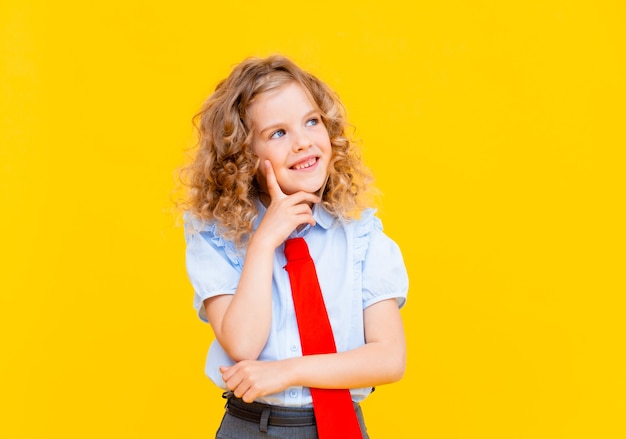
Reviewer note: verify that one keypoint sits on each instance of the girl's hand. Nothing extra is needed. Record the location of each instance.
(285, 212)
(250, 379)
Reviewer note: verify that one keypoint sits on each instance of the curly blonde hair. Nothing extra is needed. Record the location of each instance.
(221, 177)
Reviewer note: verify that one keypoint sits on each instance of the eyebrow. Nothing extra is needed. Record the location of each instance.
(280, 124)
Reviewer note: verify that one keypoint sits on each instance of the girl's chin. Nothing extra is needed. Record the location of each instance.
(309, 189)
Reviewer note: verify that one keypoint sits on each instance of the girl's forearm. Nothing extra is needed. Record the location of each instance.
(246, 323)
(380, 361)
(370, 365)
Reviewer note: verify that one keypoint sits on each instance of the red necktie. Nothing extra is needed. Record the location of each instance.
(334, 411)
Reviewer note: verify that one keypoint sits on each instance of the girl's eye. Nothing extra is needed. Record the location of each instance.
(277, 134)
(312, 122)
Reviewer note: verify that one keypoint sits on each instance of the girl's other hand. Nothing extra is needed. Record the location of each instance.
(285, 212)
(252, 379)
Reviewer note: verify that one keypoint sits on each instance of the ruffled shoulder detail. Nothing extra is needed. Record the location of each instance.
(364, 226)
(209, 231)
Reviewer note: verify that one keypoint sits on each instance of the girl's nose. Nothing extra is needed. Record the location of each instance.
(302, 141)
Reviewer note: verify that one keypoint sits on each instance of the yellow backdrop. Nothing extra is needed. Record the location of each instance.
(496, 133)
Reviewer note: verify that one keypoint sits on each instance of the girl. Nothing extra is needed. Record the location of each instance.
(273, 163)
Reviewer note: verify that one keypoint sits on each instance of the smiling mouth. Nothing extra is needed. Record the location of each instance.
(305, 164)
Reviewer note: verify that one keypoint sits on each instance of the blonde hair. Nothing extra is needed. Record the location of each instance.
(221, 177)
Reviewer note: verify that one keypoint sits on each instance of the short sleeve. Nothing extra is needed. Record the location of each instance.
(384, 272)
(213, 266)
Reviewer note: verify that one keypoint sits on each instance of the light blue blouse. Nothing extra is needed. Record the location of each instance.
(357, 266)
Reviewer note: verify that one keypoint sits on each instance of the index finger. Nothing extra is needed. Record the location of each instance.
(272, 184)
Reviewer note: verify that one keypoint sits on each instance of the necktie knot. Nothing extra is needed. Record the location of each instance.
(296, 249)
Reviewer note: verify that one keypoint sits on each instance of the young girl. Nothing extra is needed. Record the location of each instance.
(274, 162)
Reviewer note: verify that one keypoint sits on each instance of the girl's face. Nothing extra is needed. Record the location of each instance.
(288, 131)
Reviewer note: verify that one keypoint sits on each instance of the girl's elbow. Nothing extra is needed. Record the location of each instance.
(399, 371)
(238, 346)
(397, 367)
(241, 355)
(237, 352)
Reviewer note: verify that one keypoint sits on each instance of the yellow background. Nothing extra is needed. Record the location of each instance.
(496, 133)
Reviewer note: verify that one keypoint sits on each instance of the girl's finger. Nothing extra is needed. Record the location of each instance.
(273, 187)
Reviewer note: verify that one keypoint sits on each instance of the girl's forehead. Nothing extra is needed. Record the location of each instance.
(280, 105)
(291, 92)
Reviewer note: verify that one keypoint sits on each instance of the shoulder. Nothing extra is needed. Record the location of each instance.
(201, 233)
(363, 229)
(371, 244)
(195, 226)
(368, 222)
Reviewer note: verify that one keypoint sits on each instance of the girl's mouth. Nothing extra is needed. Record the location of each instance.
(311, 161)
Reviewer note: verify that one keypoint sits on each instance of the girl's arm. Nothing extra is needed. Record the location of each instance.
(241, 322)
(380, 361)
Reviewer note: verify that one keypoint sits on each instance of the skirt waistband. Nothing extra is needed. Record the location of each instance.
(266, 414)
